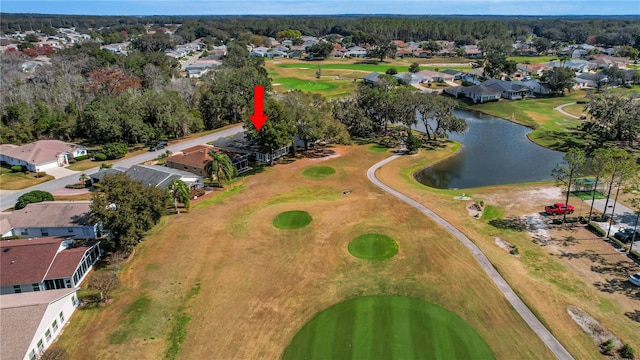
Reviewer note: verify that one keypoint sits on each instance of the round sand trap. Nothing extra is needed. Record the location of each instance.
(387, 327)
(318, 172)
(374, 247)
(289, 220)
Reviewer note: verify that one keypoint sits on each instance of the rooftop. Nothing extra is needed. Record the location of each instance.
(52, 214)
(40, 151)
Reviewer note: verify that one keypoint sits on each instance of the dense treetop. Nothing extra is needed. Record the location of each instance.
(607, 30)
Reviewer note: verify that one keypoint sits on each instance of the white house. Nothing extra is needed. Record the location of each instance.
(31, 322)
(41, 155)
(43, 264)
(52, 218)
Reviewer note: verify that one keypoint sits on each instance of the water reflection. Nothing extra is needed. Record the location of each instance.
(495, 151)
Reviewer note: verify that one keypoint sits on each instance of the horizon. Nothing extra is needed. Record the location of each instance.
(323, 8)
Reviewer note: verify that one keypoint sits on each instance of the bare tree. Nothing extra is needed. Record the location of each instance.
(105, 282)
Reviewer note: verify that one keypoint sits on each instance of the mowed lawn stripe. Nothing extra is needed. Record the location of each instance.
(404, 331)
(363, 331)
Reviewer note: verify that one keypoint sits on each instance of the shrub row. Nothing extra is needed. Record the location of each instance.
(617, 243)
(635, 255)
(100, 157)
(596, 229)
(76, 186)
(81, 157)
(568, 220)
(16, 168)
(12, 237)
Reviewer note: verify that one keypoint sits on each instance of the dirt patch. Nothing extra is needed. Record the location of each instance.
(538, 228)
(508, 247)
(474, 210)
(591, 326)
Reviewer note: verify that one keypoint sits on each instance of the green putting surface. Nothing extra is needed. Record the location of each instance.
(378, 148)
(305, 85)
(295, 219)
(373, 247)
(386, 327)
(318, 172)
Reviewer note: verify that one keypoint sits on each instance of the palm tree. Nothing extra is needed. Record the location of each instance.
(180, 192)
(220, 166)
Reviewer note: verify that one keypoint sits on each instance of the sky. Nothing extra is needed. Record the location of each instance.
(323, 7)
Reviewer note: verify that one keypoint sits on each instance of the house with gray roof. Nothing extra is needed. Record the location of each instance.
(53, 218)
(31, 322)
(410, 78)
(152, 175)
(162, 176)
(509, 89)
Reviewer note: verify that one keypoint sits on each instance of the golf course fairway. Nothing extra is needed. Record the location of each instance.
(386, 327)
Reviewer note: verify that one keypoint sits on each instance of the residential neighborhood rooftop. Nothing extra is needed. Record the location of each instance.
(51, 214)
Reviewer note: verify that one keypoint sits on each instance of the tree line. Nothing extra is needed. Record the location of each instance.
(605, 30)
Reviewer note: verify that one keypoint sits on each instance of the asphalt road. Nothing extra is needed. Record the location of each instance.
(552, 343)
(9, 198)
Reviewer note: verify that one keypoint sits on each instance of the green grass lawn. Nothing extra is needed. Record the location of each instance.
(588, 195)
(378, 148)
(551, 128)
(373, 247)
(387, 327)
(290, 220)
(381, 68)
(10, 180)
(318, 172)
(532, 59)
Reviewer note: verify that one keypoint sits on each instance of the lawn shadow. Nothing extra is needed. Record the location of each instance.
(633, 315)
(617, 286)
(510, 223)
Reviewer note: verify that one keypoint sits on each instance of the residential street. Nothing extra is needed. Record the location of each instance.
(8, 198)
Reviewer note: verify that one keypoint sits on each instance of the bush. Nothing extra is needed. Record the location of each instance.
(608, 347)
(81, 157)
(514, 250)
(626, 351)
(197, 192)
(81, 185)
(105, 166)
(568, 220)
(115, 150)
(617, 243)
(635, 255)
(596, 229)
(35, 196)
(16, 168)
(12, 237)
(391, 71)
(41, 174)
(100, 157)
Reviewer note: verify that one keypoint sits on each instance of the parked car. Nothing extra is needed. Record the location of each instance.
(625, 235)
(635, 279)
(559, 209)
(158, 146)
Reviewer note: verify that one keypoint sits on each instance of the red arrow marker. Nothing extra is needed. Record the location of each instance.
(258, 118)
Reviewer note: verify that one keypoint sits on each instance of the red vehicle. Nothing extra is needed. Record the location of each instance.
(559, 209)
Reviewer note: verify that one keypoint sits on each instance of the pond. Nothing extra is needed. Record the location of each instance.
(494, 151)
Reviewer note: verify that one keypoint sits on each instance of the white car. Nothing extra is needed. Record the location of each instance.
(635, 279)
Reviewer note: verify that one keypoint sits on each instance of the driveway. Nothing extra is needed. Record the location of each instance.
(543, 333)
(60, 172)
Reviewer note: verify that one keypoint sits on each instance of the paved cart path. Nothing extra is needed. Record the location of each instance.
(552, 343)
